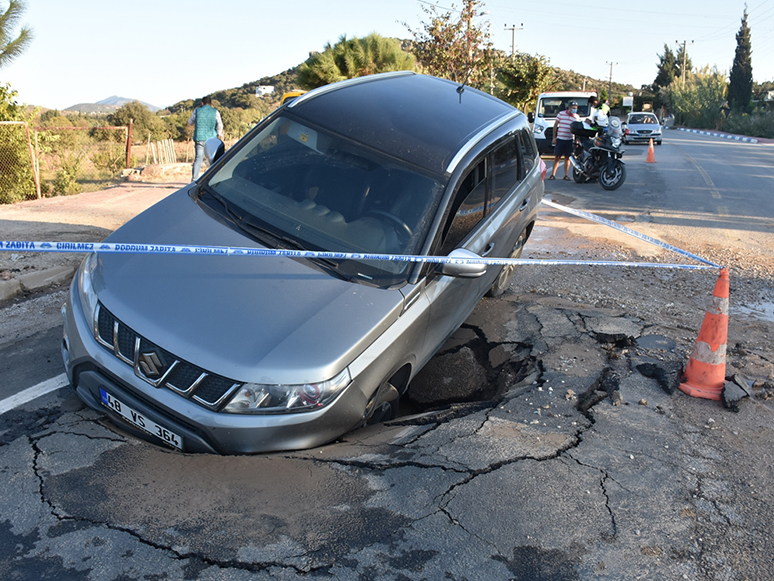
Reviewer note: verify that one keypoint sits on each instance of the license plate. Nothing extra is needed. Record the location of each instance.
(140, 421)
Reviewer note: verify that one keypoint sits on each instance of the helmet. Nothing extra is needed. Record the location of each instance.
(601, 118)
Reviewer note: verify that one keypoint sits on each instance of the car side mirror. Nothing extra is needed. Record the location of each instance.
(465, 269)
(531, 117)
(213, 149)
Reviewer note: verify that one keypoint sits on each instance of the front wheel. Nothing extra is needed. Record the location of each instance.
(612, 179)
(501, 282)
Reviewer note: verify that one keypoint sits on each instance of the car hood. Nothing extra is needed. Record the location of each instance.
(644, 126)
(258, 319)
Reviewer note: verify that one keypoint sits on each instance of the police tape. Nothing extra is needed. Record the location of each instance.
(186, 249)
(629, 231)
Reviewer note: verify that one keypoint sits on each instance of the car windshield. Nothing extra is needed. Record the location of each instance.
(550, 107)
(323, 192)
(643, 120)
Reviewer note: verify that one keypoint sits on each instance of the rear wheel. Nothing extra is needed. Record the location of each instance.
(612, 179)
(579, 177)
(502, 280)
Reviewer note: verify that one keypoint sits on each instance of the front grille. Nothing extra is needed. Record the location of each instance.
(157, 366)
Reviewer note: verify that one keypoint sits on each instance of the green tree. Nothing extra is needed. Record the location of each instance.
(9, 108)
(144, 121)
(667, 69)
(521, 78)
(455, 48)
(11, 47)
(356, 57)
(741, 80)
(16, 178)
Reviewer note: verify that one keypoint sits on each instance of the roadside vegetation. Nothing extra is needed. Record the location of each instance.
(707, 98)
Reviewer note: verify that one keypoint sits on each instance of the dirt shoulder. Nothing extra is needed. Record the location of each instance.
(86, 217)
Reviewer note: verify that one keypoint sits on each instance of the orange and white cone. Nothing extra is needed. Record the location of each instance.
(705, 374)
(651, 153)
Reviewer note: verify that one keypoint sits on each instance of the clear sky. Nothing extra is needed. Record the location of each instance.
(164, 51)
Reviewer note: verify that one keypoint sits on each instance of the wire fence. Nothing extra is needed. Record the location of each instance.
(17, 163)
(72, 160)
(56, 161)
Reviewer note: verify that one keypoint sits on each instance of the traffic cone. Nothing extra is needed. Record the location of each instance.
(705, 374)
(651, 154)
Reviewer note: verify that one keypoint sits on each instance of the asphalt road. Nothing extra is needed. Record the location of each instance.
(542, 483)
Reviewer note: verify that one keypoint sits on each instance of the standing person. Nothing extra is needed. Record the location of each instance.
(593, 102)
(563, 138)
(207, 124)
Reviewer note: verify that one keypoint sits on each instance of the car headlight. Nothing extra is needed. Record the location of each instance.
(86, 292)
(538, 129)
(255, 398)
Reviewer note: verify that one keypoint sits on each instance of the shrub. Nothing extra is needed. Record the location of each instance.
(65, 182)
(759, 124)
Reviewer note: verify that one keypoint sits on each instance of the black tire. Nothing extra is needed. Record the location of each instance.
(612, 180)
(387, 406)
(504, 276)
(578, 176)
(658, 143)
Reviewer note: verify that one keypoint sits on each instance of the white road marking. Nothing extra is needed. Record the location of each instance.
(33, 392)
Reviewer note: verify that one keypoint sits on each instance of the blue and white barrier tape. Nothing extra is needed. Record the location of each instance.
(723, 135)
(187, 249)
(184, 249)
(629, 231)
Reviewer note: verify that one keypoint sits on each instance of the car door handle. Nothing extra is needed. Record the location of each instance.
(489, 249)
(524, 204)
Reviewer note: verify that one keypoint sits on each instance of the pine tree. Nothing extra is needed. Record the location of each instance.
(741, 80)
(667, 69)
(10, 47)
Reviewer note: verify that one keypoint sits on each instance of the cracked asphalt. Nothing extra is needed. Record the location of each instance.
(576, 467)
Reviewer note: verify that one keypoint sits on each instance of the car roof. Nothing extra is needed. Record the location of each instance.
(420, 119)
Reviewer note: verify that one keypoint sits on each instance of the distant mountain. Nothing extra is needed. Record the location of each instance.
(108, 105)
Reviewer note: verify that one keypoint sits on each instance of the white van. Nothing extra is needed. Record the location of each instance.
(548, 107)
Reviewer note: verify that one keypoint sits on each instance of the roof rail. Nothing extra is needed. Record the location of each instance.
(345, 83)
(473, 141)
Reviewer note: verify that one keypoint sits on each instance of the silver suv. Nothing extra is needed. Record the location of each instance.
(224, 354)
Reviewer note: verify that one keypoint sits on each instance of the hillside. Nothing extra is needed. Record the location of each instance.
(244, 97)
(109, 105)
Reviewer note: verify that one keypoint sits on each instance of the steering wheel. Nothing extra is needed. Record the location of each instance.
(403, 230)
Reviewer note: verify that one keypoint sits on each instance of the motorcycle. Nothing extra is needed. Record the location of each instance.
(597, 153)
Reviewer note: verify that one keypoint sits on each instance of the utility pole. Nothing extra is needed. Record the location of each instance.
(685, 56)
(610, 81)
(513, 30)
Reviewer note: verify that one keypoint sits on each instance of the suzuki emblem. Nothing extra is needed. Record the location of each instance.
(150, 364)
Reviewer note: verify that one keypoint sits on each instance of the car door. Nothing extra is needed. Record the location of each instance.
(507, 203)
(453, 298)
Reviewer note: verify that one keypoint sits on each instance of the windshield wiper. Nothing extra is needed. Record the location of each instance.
(215, 195)
(261, 233)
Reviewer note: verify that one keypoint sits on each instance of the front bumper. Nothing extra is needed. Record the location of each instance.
(90, 368)
(637, 138)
